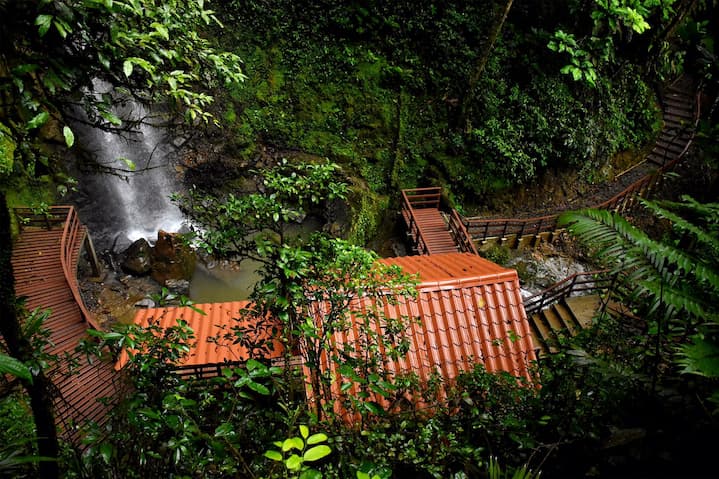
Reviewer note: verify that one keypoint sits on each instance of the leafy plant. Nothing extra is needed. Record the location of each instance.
(295, 452)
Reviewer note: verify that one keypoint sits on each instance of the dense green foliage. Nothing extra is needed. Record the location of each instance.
(388, 90)
(378, 86)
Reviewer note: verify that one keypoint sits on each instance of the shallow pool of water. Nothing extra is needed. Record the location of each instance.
(223, 284)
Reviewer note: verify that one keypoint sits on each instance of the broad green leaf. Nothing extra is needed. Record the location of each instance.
(130, 164)
(316, 438)
(259, 388)
(274, 455)
(106, 451)
(225, 429)
(69, 136)
(253, 364)
(304, 431)
(62, 28)
(110, 117)
(316, 453)
(293, 443)
(293, 462)
(38, 120)
(10, 365)
(311, 474)
(43, 22)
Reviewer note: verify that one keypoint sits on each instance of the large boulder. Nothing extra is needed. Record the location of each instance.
(138, 258)
(173, 258)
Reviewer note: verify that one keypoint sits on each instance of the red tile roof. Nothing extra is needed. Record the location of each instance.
(219, 319)
(469, 311)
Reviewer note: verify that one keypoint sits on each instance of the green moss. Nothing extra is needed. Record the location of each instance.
(7, 151)
(368, 210)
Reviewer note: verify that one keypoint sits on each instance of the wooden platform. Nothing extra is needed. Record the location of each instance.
(40, 277)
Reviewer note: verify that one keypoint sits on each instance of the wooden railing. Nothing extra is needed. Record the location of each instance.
(481, 229)
(74, 234)
(422, 197)
(460, 235)
(48, 218)
(584, 282)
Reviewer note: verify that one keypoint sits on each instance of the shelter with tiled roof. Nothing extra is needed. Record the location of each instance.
(468, 311)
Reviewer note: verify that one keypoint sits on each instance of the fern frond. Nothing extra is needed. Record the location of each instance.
(701, 235)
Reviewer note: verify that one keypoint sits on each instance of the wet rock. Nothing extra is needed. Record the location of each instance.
(172, 258)
(178, 286)
(138, 258)
(145, 303)
(334, 229)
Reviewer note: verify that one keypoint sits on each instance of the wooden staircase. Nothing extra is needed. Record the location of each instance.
(563, 319)
(679, 119)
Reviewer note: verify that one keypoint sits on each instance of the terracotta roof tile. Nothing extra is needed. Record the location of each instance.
(218, 320)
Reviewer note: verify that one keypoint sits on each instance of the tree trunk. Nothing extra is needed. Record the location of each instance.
(20, 348)
(481, 64)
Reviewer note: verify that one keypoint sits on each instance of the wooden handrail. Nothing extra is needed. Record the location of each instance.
(460, 235)
(586, 281)
(72, 230)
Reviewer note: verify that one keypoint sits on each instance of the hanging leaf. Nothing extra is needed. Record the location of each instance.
(111, 118)
(130, 164)
(43, 22)
(69, 136)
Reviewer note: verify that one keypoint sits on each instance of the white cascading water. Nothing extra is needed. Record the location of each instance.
(123, 207)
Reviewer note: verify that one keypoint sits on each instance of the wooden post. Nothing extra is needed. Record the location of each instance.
(90, 248)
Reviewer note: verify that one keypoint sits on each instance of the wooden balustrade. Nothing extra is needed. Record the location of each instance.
(460, 235)
(72, 237)
(583, 282)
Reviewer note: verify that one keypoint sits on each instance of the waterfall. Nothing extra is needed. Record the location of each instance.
(126, 205)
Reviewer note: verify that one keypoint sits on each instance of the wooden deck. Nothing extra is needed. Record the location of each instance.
(45, 261)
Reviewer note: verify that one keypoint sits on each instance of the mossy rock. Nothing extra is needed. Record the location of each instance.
(368, 210)
(7, 151)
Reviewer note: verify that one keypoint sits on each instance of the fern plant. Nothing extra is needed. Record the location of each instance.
(676, 278)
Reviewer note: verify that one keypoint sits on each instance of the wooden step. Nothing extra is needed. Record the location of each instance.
(542, 335)
(567, 317)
